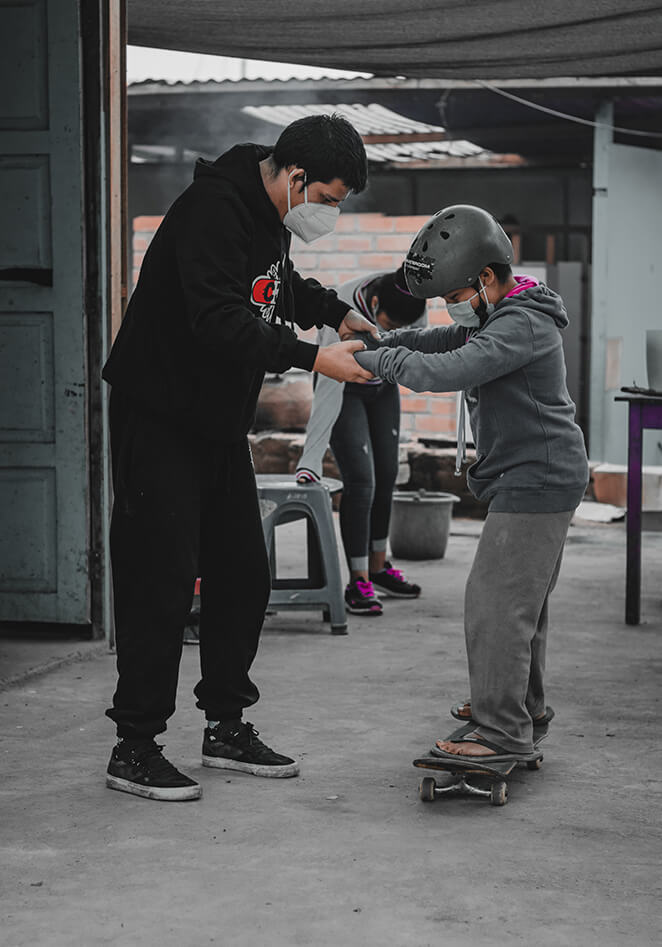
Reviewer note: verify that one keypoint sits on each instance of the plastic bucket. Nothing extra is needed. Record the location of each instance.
(420, 524)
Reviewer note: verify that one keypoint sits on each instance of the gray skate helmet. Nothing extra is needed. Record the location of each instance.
(449, 252)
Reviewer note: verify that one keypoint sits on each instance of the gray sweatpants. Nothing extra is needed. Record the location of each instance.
(505, 619)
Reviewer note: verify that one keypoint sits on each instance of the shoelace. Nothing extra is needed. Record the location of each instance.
(252, 734)
(247, 734)
(396, 573)
(152, 756)
(259, 748)
(365, 588)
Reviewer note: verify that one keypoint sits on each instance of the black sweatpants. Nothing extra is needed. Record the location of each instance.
(183, 508)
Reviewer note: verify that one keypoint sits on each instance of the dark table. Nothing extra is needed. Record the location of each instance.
(645, 411)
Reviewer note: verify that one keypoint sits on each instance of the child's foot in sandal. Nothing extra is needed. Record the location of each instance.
(463, 712)
(473, 746)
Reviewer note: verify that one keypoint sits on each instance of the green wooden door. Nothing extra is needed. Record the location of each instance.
(44, 495)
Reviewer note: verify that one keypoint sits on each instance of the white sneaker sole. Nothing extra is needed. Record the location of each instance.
(388, 592)
(363, 611)
(174, 794)
(254, 769)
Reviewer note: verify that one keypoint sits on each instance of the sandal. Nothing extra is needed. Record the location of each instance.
(463, 712)
(500, 755)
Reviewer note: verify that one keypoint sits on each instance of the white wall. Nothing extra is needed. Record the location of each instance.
(627, 287)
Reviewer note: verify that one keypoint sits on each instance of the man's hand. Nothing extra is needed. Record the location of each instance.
(338, 362)
(355, 322)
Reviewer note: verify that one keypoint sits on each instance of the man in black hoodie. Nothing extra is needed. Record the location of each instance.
(213, 310)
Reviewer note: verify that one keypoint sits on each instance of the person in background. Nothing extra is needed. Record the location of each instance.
(212, 311)
(362, 423)
(505, 352)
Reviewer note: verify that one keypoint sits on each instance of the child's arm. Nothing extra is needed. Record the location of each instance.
(505, 346)
(327, 402)
(436, 339)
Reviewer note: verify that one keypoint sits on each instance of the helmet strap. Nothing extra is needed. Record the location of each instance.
(481, 308)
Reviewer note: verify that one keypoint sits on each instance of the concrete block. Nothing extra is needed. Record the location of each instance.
(610, 486)
(279, 452)
(271, 451)
(285, 401)
(433, 469)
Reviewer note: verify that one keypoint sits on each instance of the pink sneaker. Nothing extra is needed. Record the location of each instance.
(360, 598)
(392, 582)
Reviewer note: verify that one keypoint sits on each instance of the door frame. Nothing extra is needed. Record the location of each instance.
(105, 162)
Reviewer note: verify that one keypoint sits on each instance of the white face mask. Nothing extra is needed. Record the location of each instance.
(464, 314)
(309, 221)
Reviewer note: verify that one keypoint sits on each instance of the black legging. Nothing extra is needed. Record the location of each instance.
(365, 442)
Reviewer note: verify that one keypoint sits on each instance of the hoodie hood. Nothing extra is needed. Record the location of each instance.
(539, 299)
(240, 167)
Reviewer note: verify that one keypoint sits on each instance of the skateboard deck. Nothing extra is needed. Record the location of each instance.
(471, 777)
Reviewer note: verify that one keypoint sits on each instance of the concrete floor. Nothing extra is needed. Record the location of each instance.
(348, 854)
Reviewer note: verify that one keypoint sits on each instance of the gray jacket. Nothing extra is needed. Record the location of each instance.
(530, 452)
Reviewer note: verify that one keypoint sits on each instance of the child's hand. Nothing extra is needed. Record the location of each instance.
(354, 322)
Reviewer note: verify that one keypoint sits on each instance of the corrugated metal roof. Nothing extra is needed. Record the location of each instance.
(367, 119)
(637, 83)
(425, 151)
(377, 120)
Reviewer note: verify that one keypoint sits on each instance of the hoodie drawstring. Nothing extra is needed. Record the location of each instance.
(286, 303)
(461, 455)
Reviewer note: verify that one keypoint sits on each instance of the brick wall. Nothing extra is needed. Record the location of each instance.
(360, 244)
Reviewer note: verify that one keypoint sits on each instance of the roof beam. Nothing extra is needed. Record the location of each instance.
(624, 84)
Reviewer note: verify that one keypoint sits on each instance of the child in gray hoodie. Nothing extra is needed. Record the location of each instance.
(505, 352)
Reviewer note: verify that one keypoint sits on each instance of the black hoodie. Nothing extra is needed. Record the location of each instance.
(208, 315)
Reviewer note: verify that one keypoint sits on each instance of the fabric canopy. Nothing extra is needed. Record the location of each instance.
(454, 39)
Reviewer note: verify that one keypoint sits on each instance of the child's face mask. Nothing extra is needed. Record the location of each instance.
(309, 221)
(464, 314)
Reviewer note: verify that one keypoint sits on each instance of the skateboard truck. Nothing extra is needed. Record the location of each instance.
(497, 792)
(470, 778)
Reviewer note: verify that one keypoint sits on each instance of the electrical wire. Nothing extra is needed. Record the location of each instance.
(569, 118)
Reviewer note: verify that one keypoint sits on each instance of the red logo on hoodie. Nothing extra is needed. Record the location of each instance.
(264, 292)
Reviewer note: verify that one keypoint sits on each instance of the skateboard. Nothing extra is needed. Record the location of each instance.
(470, 777)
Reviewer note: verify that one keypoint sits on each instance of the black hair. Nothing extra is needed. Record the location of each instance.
(326, 147)
(502, 271)
(395, 299)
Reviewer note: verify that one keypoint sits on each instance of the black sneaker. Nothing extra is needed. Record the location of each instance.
(360, 598)
(392, 582)
(139, 767)
(237, 747)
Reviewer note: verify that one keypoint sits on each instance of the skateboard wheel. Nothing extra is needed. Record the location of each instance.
(427, 788)
(534, 764)
(499, 794)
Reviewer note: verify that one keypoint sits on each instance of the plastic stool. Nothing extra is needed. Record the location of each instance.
(282, 500)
